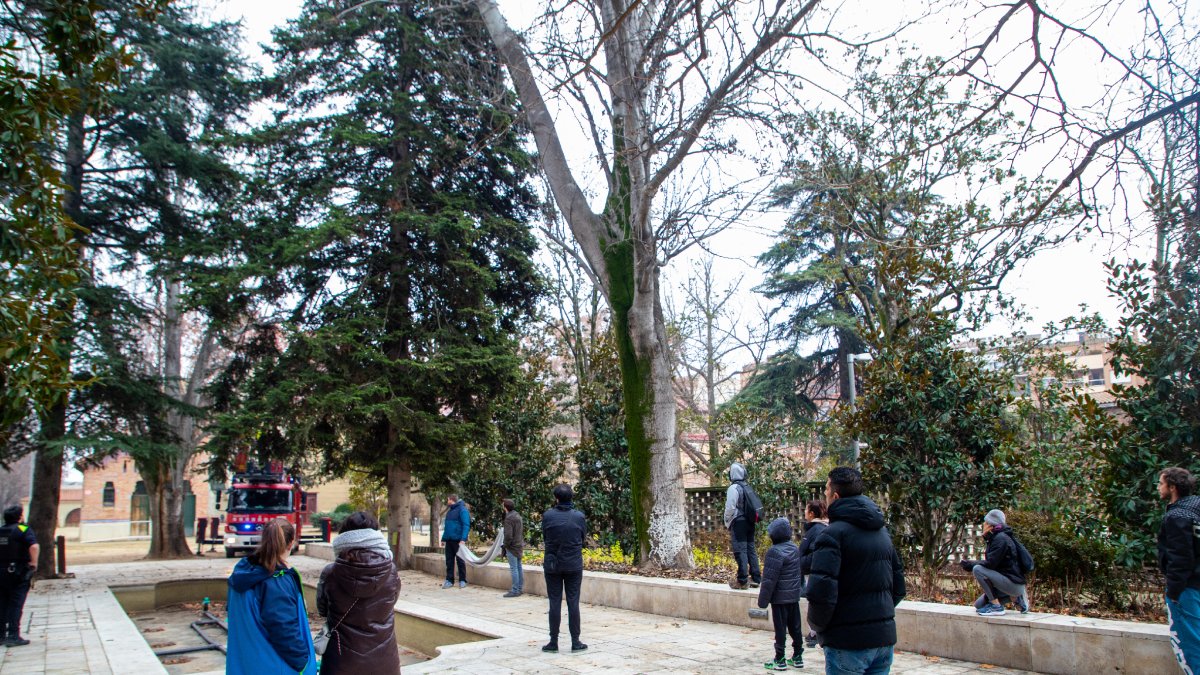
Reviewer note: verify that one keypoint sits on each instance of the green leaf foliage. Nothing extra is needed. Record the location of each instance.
(940, 440)
(390, 223)
(1158, 344)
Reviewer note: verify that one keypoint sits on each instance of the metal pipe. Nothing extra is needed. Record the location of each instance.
(208, 643)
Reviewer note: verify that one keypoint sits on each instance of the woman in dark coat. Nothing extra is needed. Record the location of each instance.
(357, 596)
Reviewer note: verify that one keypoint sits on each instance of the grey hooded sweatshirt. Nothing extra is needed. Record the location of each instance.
(733, 496)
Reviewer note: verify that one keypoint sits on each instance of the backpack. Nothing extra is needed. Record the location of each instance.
(1024, 560)
(751, 506)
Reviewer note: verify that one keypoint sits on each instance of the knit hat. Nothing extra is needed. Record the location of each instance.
(995, 518)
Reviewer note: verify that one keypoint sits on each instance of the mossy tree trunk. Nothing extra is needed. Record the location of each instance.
(661, 95)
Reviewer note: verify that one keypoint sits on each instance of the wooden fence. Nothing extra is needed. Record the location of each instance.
(706, 507)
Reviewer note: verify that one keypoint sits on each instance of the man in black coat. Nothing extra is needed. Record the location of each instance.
(563, 531)
(857, 581)
(18, 562)
(1179, 560)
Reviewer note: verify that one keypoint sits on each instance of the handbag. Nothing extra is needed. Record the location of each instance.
(321, 640)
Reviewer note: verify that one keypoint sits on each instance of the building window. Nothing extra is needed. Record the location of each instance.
(1096, 377)
(110, 494)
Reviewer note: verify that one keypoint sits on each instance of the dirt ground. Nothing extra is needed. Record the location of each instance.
(79, 553)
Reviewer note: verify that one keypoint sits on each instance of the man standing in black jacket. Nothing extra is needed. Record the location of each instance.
(857, 581)
(563, 531)
(1179, 560)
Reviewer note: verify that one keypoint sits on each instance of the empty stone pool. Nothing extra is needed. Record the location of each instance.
(166, 611)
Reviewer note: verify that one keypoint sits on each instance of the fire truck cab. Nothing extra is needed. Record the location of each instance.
(257, 496)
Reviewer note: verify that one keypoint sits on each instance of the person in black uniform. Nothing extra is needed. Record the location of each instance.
(18, 562)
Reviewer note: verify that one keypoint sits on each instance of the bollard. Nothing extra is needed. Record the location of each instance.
(201, 523)
(327, 529)
(214, 533)
(61, 544)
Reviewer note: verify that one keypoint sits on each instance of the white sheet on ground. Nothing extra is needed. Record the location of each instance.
(477, 561)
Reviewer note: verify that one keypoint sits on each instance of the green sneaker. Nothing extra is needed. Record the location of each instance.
(778, 664)
(796, 662)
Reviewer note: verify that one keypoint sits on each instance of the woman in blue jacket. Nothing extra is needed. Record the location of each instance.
(268, 622)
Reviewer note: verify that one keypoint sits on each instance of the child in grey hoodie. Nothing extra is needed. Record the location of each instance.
(782, 585)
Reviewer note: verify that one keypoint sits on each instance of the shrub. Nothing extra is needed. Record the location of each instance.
(338, 516)
(1070, 567)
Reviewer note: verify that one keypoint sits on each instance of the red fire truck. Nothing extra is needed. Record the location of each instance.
(260, 495)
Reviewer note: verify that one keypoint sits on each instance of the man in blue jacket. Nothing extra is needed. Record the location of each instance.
(563, 531)
(857, 581)
(1179, 560)
(454, 531)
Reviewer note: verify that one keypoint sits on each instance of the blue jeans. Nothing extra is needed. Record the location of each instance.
(1183, 617)
(874, 661)
(518, 574)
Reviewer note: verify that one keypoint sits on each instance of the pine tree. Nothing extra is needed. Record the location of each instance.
(146, 176)
(396, 199)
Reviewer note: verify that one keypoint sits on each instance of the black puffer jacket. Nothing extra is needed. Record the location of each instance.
(857, 578)
(812, 531)
(782, 582)
(359, 590)
(1177, 546)
(563, 532)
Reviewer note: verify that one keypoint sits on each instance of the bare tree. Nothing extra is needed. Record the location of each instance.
(655, 84)
(709, 331)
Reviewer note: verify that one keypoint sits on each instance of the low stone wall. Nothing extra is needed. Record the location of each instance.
(1048, 643)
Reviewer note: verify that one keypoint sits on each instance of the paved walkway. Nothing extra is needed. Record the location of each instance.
(77, 627)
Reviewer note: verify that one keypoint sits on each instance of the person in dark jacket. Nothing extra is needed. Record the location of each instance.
(857, 581)
(455, 529)
(1179, 560)
(513, 546)
(357, 596)
(815, 523)
(999, 573)
(782, 586)
(18, 563)
(564, 530)
(268, 622)
(741, 530)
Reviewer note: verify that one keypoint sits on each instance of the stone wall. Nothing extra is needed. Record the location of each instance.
(1048, 643)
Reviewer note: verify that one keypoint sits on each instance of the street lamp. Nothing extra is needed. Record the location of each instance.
(850, 359)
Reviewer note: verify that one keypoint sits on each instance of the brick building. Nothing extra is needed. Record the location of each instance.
(115, 503)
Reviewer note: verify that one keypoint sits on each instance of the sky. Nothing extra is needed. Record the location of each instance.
(1051, 286)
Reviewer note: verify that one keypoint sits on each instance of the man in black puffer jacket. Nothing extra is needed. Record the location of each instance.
(563, 532)
(782, 585)
(857, 581)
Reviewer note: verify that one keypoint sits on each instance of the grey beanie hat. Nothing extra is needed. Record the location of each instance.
(995, 517)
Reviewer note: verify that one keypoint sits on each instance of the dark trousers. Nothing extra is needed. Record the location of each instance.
(555, 583)
(451, 557)
(786, 618)
(13, 589)
(744, 551)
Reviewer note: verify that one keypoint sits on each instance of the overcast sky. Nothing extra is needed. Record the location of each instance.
(1052, 286)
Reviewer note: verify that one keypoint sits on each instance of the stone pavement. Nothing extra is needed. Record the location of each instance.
(77, 627)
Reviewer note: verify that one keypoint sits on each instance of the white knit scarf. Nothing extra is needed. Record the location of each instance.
(372, 540)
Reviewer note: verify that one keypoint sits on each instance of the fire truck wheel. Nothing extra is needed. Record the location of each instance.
(228, 553)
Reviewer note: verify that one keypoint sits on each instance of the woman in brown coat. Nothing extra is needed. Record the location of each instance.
(357, 596)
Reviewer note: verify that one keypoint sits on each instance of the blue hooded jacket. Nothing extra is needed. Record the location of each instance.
(458, 523)
(268, 623)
